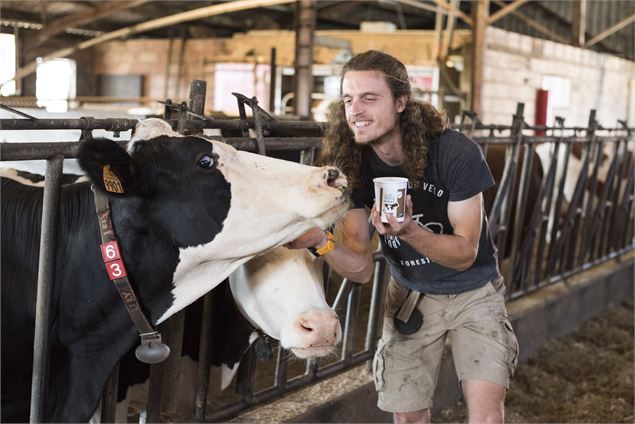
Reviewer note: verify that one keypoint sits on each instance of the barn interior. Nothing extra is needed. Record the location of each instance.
(504, 72)
(461, 55)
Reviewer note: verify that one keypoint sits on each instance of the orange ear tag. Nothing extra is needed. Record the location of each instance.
(111, 181)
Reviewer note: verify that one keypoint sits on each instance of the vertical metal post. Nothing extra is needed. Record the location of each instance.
(246, 378)
(174, 339)
(204, 358)
(45, 282)
(519, 216)
(589, 198)
(307, 156)
(273, 70)
(540, 261)
(508, 185)
(109, 400)
(155, 389)
(558, 222)
(260, 138)
(196, 102)
(281, 367)
(344, 290)
(375, 304)
(622, 177)
(350, 322)
(168, 64)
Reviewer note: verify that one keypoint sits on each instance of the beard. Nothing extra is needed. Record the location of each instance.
(376, 139)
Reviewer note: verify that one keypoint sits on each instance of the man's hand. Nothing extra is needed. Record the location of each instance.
(315, 237)
(394, 228)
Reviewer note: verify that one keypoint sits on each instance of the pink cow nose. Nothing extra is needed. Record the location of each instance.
(319, 328)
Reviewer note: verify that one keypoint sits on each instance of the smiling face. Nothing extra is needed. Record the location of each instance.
(371, 110)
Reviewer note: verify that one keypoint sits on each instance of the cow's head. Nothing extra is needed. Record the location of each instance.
(282, 293)
(219, 206)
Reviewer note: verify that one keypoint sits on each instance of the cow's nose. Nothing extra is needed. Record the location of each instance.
(332, 177)
(319, 328)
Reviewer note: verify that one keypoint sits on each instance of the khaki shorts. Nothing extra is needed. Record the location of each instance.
(484, 346)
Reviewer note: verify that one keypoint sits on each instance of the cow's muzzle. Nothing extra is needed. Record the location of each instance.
(336, 179)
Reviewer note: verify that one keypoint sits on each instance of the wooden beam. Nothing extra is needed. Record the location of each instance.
(454, 11)
(609, 31)
(438, 29)
(178, 18)
(424, 6)
(481, 12)
(578, 22)
(85, 16)
(447, 34)
(305, 23)
(505, 10)
(44, 11)
(535, 25)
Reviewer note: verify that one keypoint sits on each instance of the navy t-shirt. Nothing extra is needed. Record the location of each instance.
(456, 171)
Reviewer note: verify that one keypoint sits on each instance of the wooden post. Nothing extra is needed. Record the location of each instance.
(306, 14)
(578, 22)
(480, 16)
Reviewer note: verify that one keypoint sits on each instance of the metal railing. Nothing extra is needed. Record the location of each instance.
(560, 232)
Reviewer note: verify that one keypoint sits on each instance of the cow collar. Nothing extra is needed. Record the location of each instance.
(152, 350)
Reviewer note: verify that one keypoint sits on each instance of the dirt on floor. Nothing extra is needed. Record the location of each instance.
(584, 377)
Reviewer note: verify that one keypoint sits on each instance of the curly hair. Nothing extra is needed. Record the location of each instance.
(419, 123)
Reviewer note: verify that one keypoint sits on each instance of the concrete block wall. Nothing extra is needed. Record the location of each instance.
(150, 57)
(515, 65)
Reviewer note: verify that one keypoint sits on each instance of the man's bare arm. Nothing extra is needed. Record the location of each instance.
(352, 256)
(456, 250)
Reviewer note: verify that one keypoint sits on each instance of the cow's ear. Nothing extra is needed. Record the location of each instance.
(108, 166)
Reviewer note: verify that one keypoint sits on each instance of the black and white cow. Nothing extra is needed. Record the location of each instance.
(192, 210)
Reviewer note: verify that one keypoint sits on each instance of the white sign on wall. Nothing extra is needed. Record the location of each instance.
(559, 89)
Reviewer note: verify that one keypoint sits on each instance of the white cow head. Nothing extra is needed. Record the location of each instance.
(257, 203)
(282, 293)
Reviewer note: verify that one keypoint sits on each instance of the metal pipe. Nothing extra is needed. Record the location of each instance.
(196, 102)
(70, 149)
(45, 282)
(272, 80)
(376, 297)
(345, 288)
(546, 214)
(204, 358)
(257, 117)
(281, 367)
(350, 323)
(519, 215)
(109, 400)
(124, 124)
(155, 390)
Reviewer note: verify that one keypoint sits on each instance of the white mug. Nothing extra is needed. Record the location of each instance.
(390, 197)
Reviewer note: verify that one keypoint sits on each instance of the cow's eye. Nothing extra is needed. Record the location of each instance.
(206, 161)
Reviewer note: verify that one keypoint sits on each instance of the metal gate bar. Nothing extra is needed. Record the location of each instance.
(45, 281)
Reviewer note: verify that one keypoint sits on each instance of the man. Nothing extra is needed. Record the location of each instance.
(442, 249)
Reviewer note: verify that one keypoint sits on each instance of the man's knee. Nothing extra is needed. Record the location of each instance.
(485, 401)
(419, 417)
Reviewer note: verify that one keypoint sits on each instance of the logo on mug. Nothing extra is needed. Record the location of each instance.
(394, 203)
